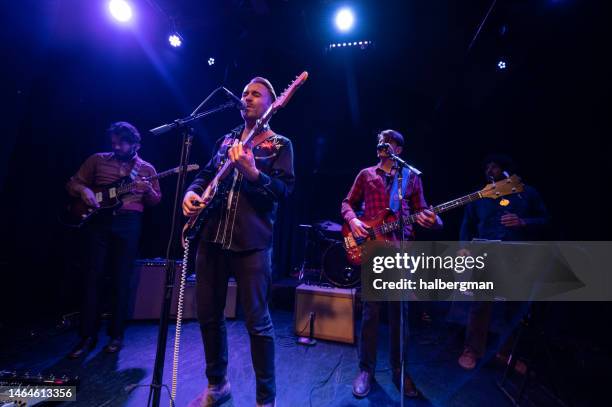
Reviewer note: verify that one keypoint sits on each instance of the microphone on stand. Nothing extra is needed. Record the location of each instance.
(237, 102)
(383, 146)
(387, 147)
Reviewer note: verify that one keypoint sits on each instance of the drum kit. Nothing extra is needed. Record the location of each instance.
(324, 260)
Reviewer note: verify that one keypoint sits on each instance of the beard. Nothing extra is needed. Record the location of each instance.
(121, 156)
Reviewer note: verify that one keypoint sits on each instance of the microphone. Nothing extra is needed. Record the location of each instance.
(399, 161)
(383, 146)
(238, 103)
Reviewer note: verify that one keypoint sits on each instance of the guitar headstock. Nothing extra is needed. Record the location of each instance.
(506, 186)
(284, 97)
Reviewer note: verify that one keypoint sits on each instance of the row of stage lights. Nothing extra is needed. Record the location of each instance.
(121, 10)
(360, 44)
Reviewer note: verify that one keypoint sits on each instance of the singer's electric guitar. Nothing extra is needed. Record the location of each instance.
(213, 194)
(77, 212)
(384, 224)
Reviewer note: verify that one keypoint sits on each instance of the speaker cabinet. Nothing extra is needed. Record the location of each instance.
(332, 309)
(149, 280)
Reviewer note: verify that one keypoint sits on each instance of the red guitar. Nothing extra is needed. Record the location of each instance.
(382, 226)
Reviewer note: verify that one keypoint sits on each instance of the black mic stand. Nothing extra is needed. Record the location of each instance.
(400, 165)
(162, 336)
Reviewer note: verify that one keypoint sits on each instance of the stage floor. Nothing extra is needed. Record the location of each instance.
(317, 376)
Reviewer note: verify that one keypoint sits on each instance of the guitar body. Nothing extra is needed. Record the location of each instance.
(78, 212)
(353, 246)
(213, 196)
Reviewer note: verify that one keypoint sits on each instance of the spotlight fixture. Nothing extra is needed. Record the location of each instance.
(120, 10)
(175, 40)
(344, 19)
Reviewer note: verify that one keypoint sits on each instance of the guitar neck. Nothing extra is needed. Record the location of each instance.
(128, 187)
(457, 203)
(447, 206)
(256, 129)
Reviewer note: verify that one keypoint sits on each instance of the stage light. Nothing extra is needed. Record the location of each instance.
(120, 10)
(361, 44)
(175, 40)
(211, 61)
(345, 19)
(501, 65)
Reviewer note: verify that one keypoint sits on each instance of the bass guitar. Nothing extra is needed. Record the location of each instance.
(384, 224)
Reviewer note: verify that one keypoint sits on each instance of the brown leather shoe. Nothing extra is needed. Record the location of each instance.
(114, 345)
(213, 396)
(362, 384)
(468, 359)
(85, 345)
(410, 389)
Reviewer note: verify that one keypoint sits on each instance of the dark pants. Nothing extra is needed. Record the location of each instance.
(369, 334)
(477, 328)
(253, 272)
(112, 245)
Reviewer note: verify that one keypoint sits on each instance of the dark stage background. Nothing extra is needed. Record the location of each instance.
(68, 72)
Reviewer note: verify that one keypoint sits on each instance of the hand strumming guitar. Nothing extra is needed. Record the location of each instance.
(89, 197)
(189, 208)
(358, 228)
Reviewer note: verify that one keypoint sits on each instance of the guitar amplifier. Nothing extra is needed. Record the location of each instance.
(149, 280)
(332, 309)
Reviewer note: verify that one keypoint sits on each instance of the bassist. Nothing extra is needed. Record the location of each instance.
(375, 188)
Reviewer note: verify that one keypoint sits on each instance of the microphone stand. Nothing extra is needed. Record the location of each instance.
(401, 164)
(162, 336)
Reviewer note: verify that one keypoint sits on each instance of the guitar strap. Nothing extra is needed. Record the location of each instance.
(135, 170)
(394, 203)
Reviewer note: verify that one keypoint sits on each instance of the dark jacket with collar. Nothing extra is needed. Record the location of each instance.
(244, 219)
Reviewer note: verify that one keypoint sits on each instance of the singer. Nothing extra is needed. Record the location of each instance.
(377, 188)
(237, 239)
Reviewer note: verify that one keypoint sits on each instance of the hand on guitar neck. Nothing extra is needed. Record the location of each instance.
(142, 186)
